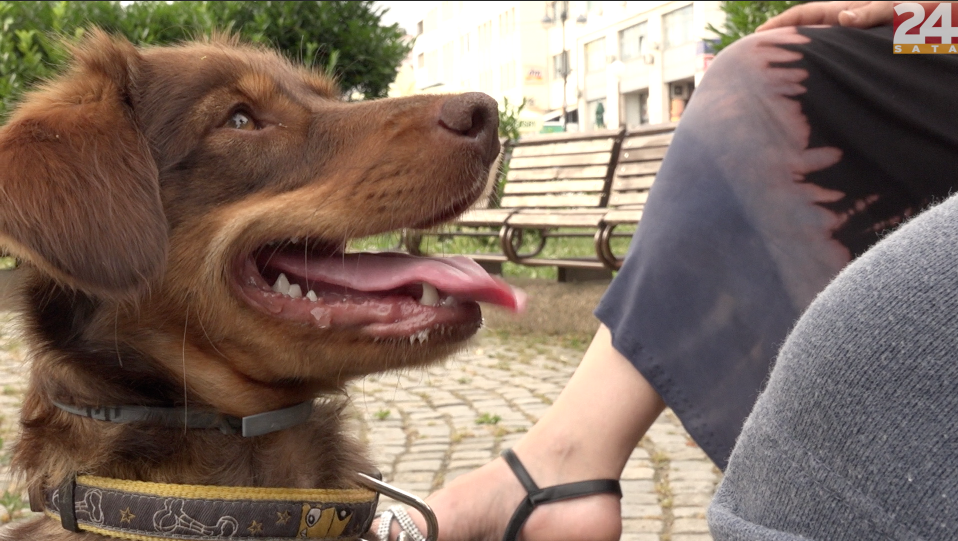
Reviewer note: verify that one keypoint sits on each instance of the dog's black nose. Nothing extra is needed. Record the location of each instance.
(476, 116)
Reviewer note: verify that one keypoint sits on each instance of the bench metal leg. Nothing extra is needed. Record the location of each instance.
(510, 240)
(603, 247)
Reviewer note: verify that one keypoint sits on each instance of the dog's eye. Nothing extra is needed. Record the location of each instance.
(241, 121)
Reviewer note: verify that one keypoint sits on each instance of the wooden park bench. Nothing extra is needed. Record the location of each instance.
(565, 186)
(638, 163)
(550, 172)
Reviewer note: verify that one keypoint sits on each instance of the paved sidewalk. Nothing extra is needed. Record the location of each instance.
(427, 427)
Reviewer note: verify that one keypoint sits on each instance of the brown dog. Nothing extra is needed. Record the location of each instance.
(183, 212)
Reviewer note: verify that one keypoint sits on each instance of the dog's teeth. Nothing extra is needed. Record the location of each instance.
(419, 337)
(295, 291)
(449, 302)
(430, 295)
(311, 295)
(282, 285)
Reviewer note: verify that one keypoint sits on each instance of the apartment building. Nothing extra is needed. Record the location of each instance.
(640, 61)
(579, 65)
(493, 47)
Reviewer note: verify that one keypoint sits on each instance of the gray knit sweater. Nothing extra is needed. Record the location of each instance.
(856, 435)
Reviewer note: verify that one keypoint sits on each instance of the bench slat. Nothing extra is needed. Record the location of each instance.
(551, 201)
(554, 186)
(571, 147)
(638, 168)
(623, 216)
(633, 183)
(642, 154)
(483, 217)
(552, 161)
(628, 198)
(550, 173)
(557, 219)
(662, 139)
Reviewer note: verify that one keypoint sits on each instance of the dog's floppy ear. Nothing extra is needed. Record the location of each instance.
(79, 195)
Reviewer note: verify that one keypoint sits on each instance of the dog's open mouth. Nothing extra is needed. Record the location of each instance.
(383, 295)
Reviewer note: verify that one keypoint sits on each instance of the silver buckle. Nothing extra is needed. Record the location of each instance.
(432, 525)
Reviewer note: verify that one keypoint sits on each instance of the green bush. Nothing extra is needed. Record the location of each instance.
(742, 18)
(509, 119)
(345, 38)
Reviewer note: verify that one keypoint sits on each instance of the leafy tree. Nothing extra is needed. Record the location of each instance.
(347, 39)
(742, 18)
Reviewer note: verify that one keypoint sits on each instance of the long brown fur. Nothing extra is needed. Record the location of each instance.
(128, 200)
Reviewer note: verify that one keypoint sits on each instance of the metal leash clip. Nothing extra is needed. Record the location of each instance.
(432, 524)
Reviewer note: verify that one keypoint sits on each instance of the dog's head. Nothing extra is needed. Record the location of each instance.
(200, 196)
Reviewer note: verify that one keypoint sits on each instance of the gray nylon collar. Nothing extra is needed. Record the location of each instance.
(249, 426)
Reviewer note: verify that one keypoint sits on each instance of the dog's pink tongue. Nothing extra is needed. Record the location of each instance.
(457, 276)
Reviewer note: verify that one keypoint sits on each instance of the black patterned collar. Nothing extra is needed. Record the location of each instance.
(144, 511)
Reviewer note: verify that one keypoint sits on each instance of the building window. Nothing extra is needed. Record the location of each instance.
(559, 65)
(485, 36)
(431, 22)
(678, 27)
(421, 60)
(507, 75)
(632, 42)
(419, 28)
(432, 66)
(593, 7)
(448, 60)
(636, 108)
(507, 23)
(595, 56)
(556, 10)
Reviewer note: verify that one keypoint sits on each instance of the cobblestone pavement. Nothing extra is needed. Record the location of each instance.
(427, 427)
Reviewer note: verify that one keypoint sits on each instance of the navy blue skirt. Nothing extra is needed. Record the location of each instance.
(797, 152)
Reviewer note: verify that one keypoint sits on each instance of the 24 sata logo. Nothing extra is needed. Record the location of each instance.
(925, 28)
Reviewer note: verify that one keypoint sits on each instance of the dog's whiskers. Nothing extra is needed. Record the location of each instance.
(186, 403)
(199, 320)
(116, 337)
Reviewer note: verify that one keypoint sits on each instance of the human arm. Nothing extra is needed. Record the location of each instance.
(851, 14)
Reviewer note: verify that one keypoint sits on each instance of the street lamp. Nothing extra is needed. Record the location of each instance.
(560, 11)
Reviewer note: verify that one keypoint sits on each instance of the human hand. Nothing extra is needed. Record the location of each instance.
(851, 14)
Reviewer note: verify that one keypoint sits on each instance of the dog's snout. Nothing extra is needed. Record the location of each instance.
(473, 115)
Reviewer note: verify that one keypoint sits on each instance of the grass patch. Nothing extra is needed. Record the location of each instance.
(488, 419)
(460, 435)
(382, 414)
(575, 342)
(13, 502)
